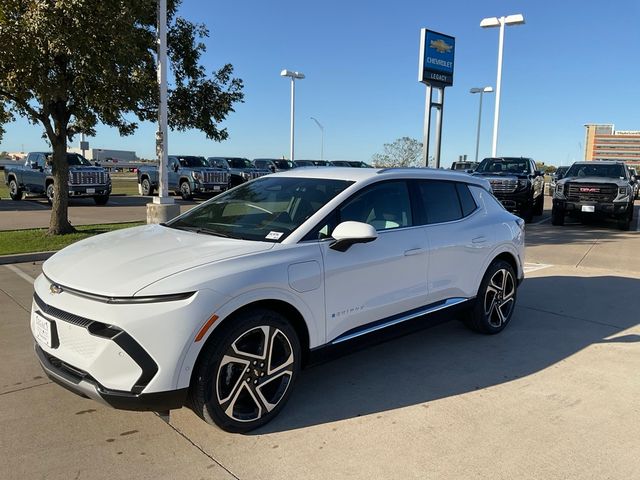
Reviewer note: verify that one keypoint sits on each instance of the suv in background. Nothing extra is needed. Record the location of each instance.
(465, 166)
(555, 177)
(240, 169)
(516, 183)
(274, 164)
(595, 189)
(636, 183)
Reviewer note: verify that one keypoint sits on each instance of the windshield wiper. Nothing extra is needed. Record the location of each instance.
(204, 230)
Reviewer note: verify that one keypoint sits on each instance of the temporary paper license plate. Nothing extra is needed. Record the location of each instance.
(216, 187)
(588, 208)
(43, 330)
(91, 190)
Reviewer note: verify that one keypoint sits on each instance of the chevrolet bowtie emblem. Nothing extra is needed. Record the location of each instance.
(441, 46)
(55, 289)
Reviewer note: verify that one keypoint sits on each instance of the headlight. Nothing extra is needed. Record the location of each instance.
(522, 183)
(197, 176)
(560, 188)
(623, 191)
(245, 175)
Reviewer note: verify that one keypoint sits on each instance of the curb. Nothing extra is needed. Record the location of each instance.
(25, 257)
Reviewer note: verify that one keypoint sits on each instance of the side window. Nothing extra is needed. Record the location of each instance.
(466, 199)
(384, 206)
(31, 158)
(440, 201)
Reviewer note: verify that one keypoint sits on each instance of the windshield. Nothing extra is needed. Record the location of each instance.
(268, 209)
(561, 172)
(192, 162)
(595, 170)
(504, 165)
(239, 163)
(73, 159)
(284, 164)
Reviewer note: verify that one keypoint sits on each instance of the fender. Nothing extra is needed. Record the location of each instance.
(498, 250)
(224, 311)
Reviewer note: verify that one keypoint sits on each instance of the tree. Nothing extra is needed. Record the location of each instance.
(68, 65)
(404, 152)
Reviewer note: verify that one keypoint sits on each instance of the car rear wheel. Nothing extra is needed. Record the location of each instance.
(496, 299)
(15, 192)
(245, 375)
(146, 187)
(539, 208)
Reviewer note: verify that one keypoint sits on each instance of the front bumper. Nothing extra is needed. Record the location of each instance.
(600, 209)
(81, 383)
(517, 201)
(89, 190)
(203, 188)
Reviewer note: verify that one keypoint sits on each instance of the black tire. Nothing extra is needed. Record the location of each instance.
(557, 217)
(249, 392)
(147, 189)
(49, 192)
(539, 205)
(527, 214)
(101, 199)
(185, 191)
(496, 300)
(15, 192)
(624, 223)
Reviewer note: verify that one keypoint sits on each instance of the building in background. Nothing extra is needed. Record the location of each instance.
(603, 142)
(104, 155)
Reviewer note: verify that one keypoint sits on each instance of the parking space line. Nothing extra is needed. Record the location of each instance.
(532, 267)
(541, 221)
(21, 274)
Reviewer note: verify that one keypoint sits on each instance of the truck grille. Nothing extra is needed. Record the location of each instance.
(254, 175)
(216, 177)
(88, 178)
(591, 192)
(499, 185)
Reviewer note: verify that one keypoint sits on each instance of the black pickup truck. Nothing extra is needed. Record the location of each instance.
(516, 183)
(35, 177)
(595, 189)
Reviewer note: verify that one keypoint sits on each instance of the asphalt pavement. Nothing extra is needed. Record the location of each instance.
(554, 396)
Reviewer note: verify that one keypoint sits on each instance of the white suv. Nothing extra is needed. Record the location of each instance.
(221, 307)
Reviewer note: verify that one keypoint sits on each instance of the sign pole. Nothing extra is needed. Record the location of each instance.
(439, 108)
(427, 127)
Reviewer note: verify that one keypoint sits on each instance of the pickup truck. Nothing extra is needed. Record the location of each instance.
(516, 183)
(188, 176)
(240, 169)
(595, 190)
(35, 177)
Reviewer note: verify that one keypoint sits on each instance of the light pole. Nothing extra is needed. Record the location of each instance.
(294, 76)
(321, 137)
(517, 19)
(481, 91)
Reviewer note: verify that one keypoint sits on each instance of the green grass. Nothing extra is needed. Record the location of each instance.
(121, 184)
(37, 240)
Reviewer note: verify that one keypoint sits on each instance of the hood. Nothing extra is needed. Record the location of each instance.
(600, 180)
(500, 176)
(122, 262)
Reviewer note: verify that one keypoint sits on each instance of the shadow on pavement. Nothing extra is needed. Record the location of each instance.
(450, 360)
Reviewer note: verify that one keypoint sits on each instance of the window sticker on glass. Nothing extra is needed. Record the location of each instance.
(274, 235)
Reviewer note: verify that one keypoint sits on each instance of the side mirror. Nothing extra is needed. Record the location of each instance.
(633, 179)
(35, 166)
(176, 167)
(349, 233)
(538, 173)
(470, 170)
(272, 168)
(96, 164)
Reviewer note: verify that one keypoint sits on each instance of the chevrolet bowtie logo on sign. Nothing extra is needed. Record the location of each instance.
(441, 46)
(436, 58)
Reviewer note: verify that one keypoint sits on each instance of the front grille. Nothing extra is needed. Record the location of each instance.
(88, 178)
(254, 175)
(503, 185)
(216, 177)
(591, 192)
(60, 314)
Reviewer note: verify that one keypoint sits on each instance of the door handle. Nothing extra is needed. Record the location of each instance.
(414, 251)
(480, 239)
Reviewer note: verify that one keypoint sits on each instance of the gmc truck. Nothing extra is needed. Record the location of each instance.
(35, 177)
(595, 189)
(188, 176)
(516, 183)
(240, 169)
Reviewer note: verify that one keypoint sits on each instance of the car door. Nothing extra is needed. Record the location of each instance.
(459, 240)
(376, 280)
(172, 175)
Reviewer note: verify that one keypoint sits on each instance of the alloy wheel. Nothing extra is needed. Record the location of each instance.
(254, 373)
(499, 298)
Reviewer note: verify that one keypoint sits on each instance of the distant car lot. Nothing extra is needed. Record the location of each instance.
(549, 398)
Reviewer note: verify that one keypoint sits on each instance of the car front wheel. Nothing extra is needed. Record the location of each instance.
(246, 373)
(496, 299)
(185, 191)
(14, 191)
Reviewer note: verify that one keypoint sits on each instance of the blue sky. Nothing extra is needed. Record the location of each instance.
(573, 62)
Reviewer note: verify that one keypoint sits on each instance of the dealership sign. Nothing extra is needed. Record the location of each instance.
(436, 58)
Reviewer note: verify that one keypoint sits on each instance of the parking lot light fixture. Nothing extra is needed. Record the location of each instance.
(517, 19)
(481, 91)
(293, 76)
